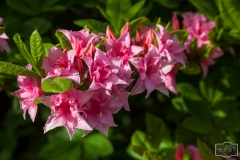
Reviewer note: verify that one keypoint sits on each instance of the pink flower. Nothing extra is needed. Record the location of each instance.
(192, 150)
(30, 89)
(179, 152)
(59, 64)
(150, 70)
(65, 108)
(102, 72)
(171, 81)
(217, 52)
(99, 109)
(198, 27)
(3, 43)
(81, 41)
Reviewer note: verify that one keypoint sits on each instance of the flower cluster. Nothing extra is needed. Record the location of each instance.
(3, 43)
(105, 71)
(191, 149)
(198, 29)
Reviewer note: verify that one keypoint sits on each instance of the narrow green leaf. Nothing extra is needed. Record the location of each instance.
(230, 14)
(155, 131)
(193, 48)
(23, 49)
(63, 40)
(188, 91)
(15, 70)
(2, 29)
(191, 68)
(37, 49)
(182, 35)
(95, 25)
(209, 8)
(116, 10)
(27, 7)
(179, 104)
(230, 124)
(150, 156)
(47, 47)
(172, 4)
(134, 10)
(56, 85)
(205, 151)
(197, 125)
(102, 11)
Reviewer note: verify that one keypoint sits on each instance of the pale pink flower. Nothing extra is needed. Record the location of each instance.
(30, 90)
(217, 52)
(65, 108)
(60, 64)
(198, 27)
(151, 74)
(99, 109)
(3, 43)
(102, 71)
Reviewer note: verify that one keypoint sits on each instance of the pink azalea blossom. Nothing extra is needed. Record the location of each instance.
(102, 72)
(192, 150)
(65, 108)
(151, 76)
(171, 80)
(179, 152)
(3, 43)
(30, 90)
(99, 109)
(81, 41)
(60, 64)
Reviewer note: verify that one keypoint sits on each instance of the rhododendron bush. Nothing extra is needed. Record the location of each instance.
(128, 80)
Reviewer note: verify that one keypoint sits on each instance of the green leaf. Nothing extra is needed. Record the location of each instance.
(191, 68)
(209, 8)
(171, 4)
(205, 151)
(116, 10)
(188, 91)
(155, 131)
(179, 104)
(182, 35)
(95, 25)
(47, 47)
(96, 145)
(209, 91)
(37, 49)
(15, 70)
(150, 156)
(63, 40)
(198, 109)
(137, 23)
(139, 144)
(65, 150)
(230, 124)
(23, 49)
(134, 10)
(2, 29)
(197, 125)
(230, 14)
(56, 85)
